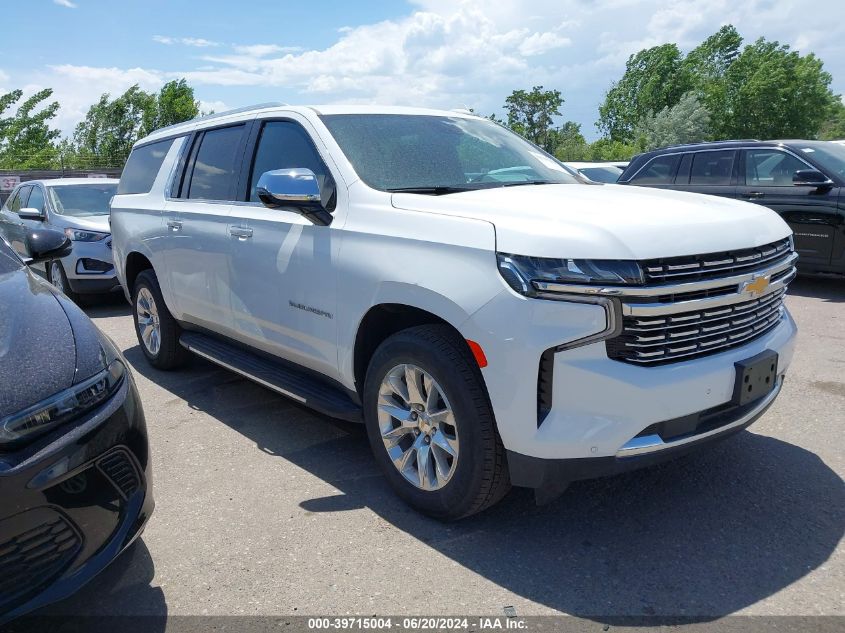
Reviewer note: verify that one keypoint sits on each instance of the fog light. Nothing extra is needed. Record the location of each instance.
(88, 265)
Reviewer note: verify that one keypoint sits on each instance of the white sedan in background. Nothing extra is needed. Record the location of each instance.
(597, 172)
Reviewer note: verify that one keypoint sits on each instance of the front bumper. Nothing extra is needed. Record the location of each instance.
(84, 280)
(598, 405)
(71, 503)
(536, 472)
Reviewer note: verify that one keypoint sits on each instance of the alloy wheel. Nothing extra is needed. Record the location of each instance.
(149, 325)
(418, 427)
(56, 276)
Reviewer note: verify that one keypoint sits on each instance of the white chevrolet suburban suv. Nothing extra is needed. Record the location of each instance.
(493, 319)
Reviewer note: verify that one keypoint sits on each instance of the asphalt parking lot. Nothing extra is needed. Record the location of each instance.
(264, 507)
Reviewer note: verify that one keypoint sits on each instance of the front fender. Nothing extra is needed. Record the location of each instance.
(440, 264)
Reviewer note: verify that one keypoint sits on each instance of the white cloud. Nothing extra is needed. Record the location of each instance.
(199, 42)
(449, 53)
(539, 43)
(263, 50)
(214, 106)
(65, 3)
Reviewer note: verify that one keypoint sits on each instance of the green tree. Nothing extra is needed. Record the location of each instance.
(764, 90)
(26, 139)
(708, 63)
(571, 144)
(688, 121)
(106, 135)
(531, 115)
(654, 78)
(175, 103)
(773, 92)
(833, 128)
(607, 149)
(112, 126)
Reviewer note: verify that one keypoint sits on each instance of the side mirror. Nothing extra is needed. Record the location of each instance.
(294, 188)
(811, 178)
(46, 244)
(28, 213)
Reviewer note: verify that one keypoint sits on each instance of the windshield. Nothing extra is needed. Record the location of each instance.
(831, 156)
(394, 152)
(82, 200)
(601, 174)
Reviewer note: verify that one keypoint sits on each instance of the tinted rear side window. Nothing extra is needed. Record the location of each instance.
(141, 169)
(712, 168)
(215, 169)
(659, 171)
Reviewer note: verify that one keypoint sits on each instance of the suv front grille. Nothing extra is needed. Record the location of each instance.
(678, 336)
(714, 265)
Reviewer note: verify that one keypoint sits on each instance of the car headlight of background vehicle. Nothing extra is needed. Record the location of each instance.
(68, 404)
(520, 270)
(79, 235)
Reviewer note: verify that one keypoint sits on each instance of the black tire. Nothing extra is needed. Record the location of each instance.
(65, 285)
(481, 477)
(170, 354)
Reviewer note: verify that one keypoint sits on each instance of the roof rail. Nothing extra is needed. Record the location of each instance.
(734, 140)
(217, 115)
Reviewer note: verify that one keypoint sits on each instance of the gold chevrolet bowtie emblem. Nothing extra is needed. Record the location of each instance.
(756, 286)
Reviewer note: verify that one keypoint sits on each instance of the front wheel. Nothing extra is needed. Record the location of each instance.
(57, 276)
(157, 330)
(431, 425)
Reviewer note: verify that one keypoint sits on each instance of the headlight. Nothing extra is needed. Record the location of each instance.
(78, 235)
(63, 406)
(519, 271)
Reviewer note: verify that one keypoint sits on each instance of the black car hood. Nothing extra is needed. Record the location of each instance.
(46, 343)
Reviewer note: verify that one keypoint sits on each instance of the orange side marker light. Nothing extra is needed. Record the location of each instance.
(480, 358)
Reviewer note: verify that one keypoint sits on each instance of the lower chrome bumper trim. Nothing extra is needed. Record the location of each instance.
(653, 443)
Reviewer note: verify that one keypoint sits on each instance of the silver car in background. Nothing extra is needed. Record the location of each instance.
(80, 208)
(597, 172)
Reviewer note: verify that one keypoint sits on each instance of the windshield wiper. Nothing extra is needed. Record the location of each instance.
(528, 182)
(433, 191)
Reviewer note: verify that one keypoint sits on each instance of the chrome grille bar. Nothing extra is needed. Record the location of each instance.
(706, 266)
(735, 298)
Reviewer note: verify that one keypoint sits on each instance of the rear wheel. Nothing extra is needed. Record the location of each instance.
(157, 330)
(431, 426)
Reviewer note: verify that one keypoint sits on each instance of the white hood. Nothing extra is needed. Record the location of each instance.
(607, 221)
(88, 222)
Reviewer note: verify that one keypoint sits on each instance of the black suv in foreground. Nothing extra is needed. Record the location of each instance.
(803, 181)
(74, 458)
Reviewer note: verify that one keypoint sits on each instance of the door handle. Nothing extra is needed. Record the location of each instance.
(174, 225)
(753, 195)
(240, 232)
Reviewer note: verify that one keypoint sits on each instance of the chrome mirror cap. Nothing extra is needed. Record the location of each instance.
(288, 187)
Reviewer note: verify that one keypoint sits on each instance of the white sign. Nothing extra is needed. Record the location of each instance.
(7, 183)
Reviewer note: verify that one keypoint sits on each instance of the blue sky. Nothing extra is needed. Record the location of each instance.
(439, 53)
